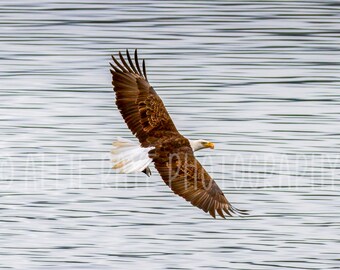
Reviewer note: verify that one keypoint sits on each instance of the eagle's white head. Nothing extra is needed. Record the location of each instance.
(200, 144)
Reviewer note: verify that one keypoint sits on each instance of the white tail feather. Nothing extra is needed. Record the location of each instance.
(129, 157)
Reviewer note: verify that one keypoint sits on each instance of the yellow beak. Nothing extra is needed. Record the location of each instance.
(209, 145)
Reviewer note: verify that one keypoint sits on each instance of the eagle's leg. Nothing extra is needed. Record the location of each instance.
(147, 171)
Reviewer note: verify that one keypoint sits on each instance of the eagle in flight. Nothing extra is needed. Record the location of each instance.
(159, 141)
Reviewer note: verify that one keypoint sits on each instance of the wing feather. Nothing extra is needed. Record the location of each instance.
(186, 177)
(124, 63)
(121, 68)
(130, 62)
(137, 63)
(141, 107)
(144, 70)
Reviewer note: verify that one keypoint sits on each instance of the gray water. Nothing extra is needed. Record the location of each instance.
(258, 78)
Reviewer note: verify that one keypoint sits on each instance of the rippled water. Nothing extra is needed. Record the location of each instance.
(258, 78)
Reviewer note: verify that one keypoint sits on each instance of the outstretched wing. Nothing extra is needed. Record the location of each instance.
(182, 172)
(139, 104)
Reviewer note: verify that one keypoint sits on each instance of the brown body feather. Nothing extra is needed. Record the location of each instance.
(148, 119)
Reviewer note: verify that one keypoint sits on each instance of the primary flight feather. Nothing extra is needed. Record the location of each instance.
(160, 141)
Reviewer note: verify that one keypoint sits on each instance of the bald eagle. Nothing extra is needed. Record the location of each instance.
(159, 141)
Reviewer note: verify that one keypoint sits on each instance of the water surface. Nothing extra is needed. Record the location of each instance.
(258, 78)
